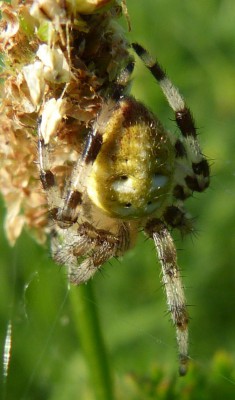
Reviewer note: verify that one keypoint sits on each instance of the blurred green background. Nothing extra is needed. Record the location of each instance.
(195, 42)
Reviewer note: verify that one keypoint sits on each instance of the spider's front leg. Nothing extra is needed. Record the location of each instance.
(173, 286)
(73, 196)
(65, 209)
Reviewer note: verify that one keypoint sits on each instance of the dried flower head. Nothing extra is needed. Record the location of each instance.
(59, 59)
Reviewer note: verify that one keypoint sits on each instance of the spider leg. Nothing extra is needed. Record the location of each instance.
(73, 196)
(173, 286)
(176, 217)
(193, 171)
(84, 249)
(46, 175)
(119, 87)
(64, 209)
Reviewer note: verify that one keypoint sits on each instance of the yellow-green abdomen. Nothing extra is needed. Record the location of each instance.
(132, 175)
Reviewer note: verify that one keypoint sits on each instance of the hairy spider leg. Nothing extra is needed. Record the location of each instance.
(176, 217)
(195, 176)
(84, 248)
(119, 87)
(46, 175)
(73, 196)
(173, 286)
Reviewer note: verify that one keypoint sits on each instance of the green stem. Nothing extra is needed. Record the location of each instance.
(88, 327)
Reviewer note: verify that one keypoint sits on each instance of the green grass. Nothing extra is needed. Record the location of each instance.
(194, 41)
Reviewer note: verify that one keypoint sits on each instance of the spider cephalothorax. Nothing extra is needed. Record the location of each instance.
(131, 174)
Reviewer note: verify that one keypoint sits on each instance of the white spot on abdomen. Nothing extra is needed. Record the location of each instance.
(123, 186)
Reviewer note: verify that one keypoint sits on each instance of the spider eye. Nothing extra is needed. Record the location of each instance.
(124, 177)
(128, 205)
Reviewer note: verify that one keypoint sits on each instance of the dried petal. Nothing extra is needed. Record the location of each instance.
(46, 9)
(33, 75)
(53, 113)
(56, 68)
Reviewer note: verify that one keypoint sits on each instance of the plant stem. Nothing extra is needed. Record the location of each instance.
(88, 327)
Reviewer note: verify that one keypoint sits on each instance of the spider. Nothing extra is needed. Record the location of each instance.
(131, 175)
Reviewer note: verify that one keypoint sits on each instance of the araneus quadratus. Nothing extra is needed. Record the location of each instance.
(132, 174)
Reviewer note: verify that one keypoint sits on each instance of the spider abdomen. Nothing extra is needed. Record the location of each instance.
(132, 175)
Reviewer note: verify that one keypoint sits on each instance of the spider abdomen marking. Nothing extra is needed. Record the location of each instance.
(132, 175)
